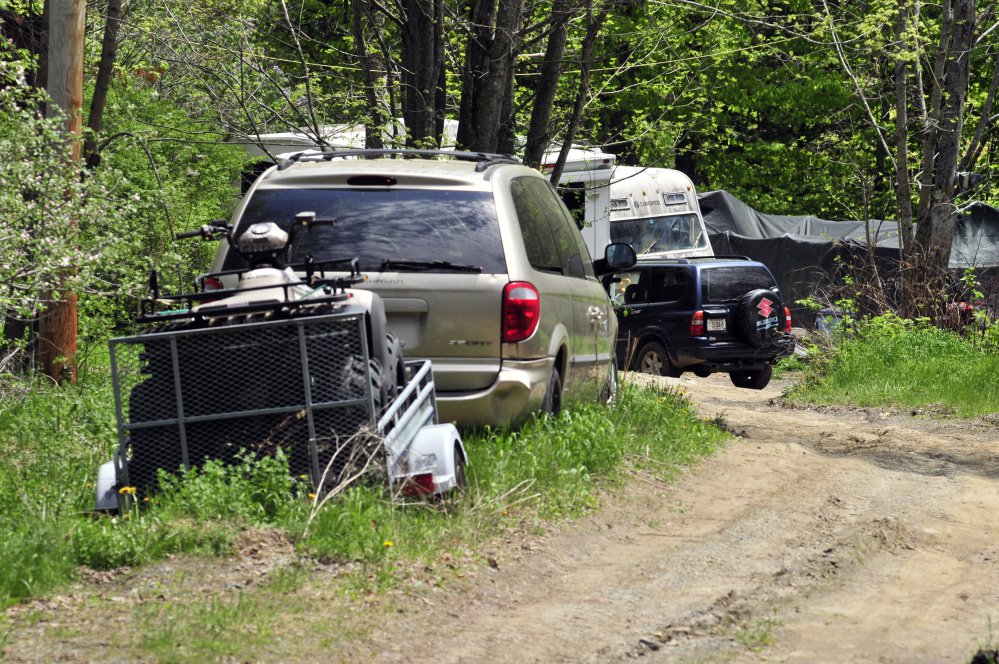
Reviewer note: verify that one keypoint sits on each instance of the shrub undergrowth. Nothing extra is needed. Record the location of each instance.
(54, 439)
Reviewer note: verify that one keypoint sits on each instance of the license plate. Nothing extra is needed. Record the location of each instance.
(716, 325)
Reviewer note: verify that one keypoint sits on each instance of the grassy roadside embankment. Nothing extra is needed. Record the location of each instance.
(889, 362)
(53, 439)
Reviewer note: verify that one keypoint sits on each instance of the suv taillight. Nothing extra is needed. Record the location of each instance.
(787, 314)
(697, 324)
(521, 311)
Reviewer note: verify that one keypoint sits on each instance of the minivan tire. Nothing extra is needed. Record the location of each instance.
(753, 379)
(552, 403)
(609, 392)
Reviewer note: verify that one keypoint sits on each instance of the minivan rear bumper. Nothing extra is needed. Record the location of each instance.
(517, 392)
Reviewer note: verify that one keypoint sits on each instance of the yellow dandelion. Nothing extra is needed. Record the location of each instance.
(312, 496)
(388, 544)
(127, 491)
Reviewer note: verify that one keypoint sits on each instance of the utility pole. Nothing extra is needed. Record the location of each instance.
(57, 327)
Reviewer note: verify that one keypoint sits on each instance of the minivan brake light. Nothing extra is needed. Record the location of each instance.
(521, 311)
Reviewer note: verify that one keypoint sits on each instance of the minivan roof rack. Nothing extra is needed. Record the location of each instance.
(483, 159)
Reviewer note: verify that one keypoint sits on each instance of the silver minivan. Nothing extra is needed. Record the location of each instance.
(479, 264)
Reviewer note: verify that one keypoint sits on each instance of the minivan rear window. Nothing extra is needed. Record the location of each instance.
(377, 225)
(730, 283)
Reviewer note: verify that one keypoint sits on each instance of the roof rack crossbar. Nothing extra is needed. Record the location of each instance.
(484, 159)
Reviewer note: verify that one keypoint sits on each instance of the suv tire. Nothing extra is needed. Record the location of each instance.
(753, 379)
(652, 359)
(756, 306)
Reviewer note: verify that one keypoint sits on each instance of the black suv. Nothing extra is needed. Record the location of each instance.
(703, 315)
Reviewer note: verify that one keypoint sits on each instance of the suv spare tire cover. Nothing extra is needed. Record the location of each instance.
(761, 318)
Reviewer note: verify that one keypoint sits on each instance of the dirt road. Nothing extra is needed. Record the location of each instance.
(835, 536)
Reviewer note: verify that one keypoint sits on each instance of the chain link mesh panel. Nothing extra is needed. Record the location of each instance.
(302, 385)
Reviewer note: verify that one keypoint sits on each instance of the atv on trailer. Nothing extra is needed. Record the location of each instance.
(280, 362)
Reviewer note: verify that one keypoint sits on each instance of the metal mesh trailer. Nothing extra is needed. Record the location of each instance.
(302, 385)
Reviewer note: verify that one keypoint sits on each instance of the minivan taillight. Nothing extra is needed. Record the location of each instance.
(697, 324)
(787, 314)
(521, 311)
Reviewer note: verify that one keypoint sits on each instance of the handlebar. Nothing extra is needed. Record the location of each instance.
(207, 231)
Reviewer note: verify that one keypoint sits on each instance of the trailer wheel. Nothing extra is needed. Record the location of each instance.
(460, 479)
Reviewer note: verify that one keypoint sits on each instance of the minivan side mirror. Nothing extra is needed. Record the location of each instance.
(619, 256)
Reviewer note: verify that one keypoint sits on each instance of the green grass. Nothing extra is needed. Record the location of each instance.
(891, 362)
(54, 439)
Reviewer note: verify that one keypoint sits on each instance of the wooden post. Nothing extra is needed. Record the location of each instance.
(57, 327)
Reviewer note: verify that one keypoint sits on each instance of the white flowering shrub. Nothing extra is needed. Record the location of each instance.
(57, 222)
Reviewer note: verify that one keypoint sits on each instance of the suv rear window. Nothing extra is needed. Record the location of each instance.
(385, 224)
(730, 283)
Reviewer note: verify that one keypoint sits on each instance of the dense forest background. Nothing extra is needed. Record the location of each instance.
(842, 109)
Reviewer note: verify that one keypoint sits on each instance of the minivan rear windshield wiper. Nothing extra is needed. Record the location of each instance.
(426, 266)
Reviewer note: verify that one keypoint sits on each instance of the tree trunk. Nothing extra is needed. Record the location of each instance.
(933, 112)
(539, 132)
(488, 74)
(109, 50)
(482, 16)
(903, 193)
(58, 325)
(592, 30)
(375, 125)
(935, 233)
(421, 32)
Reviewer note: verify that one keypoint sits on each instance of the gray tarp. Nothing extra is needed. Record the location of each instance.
(801, 250)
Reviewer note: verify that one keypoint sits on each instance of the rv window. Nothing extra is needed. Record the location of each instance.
(676, 232)
(674, 199)
(619, 204)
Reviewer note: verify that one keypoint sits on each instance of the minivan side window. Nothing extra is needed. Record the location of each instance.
(580, 262)
(536, 224)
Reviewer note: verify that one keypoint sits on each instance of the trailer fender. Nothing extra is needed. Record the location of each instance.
(107, 496)
(442, 444)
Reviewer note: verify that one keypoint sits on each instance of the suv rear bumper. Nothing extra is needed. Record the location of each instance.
(701, 353)
(517, 392)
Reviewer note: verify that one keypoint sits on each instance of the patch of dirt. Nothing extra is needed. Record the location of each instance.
(832, 535)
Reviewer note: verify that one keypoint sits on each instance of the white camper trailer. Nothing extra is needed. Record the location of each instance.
(653, 209)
